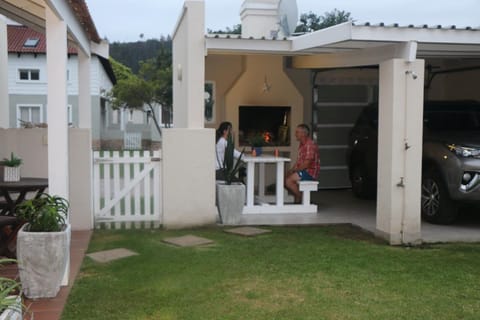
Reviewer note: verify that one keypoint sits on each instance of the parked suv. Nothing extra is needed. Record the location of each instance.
(450, 162)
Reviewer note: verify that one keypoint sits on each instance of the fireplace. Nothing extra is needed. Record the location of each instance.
(271, 123)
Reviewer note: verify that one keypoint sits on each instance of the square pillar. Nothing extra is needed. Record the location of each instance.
(188, 159)
(400, 151)
(4, 100)
(56, 34)
(84, 95)
(189, 67)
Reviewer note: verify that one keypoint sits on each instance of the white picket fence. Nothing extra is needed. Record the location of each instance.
(127, 189)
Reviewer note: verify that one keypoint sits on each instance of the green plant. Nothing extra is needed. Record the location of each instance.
(46, 213)
(257, 141)
(9, 289)
(231, 167)
(12, 162)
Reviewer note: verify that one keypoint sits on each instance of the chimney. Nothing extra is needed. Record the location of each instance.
(268, 18)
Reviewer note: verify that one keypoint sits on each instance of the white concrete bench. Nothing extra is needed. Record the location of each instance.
(306, 187)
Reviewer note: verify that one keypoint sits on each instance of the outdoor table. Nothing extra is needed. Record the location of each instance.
(263, 207)
(15, 192)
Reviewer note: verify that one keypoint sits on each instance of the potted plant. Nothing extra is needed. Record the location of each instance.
(10, 300)
(257, 142)
(43, 245)
(230, 193)
(11, 168)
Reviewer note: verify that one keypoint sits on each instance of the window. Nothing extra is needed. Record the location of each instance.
(31, 42)
(70, 114)
(29, 114)
(29, 74)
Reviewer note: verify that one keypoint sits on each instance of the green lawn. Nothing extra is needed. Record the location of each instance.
(334, 272)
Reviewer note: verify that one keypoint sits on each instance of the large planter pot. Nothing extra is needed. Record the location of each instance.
(42, 258)
(11, 174)
(230, 202)
(15, 311)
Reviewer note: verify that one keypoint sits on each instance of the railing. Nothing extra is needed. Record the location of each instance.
(127, 189)
(132, 141)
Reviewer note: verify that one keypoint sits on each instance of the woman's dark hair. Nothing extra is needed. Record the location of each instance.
(223, 126)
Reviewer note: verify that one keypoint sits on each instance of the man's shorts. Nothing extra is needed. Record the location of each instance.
(304, 176)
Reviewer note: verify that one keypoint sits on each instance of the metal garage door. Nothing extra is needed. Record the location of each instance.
(335, 109)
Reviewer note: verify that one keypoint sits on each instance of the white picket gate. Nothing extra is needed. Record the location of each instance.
(127, 189)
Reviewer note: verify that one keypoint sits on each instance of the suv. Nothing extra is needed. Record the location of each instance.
(450, 161)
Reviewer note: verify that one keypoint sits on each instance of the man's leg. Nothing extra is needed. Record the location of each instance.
(291, 183)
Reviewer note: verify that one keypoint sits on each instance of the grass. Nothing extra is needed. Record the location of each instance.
(334, 272)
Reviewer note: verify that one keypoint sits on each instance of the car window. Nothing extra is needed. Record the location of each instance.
(457, 120)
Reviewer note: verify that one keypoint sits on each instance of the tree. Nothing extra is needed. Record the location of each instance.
(134, 93)
(310, 22)
(236, 29)
(152, 86)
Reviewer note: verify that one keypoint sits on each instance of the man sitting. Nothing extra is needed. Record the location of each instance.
(307, 166)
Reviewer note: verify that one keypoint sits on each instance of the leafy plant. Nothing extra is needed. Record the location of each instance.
(46, 213)
(9, 289)
(14, 161)
(257, 141)
(230, 166)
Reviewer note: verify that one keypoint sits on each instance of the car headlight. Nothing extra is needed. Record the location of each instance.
(464, 152)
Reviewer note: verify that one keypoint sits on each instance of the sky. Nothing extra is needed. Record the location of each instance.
(126, 20)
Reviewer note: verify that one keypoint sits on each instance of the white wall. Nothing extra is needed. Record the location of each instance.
(31, 146)
(99, 79)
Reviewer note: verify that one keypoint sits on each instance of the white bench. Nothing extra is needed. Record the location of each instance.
(306, 187)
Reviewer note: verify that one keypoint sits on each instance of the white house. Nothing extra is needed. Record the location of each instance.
(262, 68)
(27, 89)
(27, 81)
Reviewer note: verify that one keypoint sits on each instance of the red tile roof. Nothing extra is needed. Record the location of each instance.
(83, 15)
(17, 35)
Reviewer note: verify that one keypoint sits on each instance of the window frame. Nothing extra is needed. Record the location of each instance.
(30, 106)
(29, 74)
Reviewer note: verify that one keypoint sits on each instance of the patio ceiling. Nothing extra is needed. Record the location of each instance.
(349, 40)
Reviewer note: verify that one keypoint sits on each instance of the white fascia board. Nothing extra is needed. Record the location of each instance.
(101, 49)
(338, 33)
(421, 35)
(64, 12)
(222, 45)
(357, 58)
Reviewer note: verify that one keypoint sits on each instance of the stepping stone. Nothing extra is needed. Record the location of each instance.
(111, 255)
(248, 231)
(188, 241)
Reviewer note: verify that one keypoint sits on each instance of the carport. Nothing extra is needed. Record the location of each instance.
(399, 52)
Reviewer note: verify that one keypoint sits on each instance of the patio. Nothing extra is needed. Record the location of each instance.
(341, 206)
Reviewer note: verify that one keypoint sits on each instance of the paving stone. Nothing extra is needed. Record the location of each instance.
(111, 255)
(248, 231)
(188, 241)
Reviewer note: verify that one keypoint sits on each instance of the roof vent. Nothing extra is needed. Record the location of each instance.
(31, 42)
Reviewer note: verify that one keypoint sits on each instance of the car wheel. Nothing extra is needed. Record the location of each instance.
(437, 207)
(361, 182)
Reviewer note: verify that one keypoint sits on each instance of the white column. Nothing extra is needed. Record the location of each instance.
(84, 96)
(4, 100)
(57, 118)
(400, 150)
(189, 67)
(57, 104)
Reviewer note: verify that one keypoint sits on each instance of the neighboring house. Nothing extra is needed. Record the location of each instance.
(27, 87)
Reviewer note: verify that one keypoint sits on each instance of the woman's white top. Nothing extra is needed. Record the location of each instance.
(220, 153)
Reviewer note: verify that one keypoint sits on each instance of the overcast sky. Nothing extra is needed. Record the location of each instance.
(125, 20)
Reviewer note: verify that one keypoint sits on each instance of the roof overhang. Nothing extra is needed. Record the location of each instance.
(81, 30)
(348, 44)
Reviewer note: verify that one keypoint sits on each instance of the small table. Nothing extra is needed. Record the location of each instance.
(22, 187)
(250, 206)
